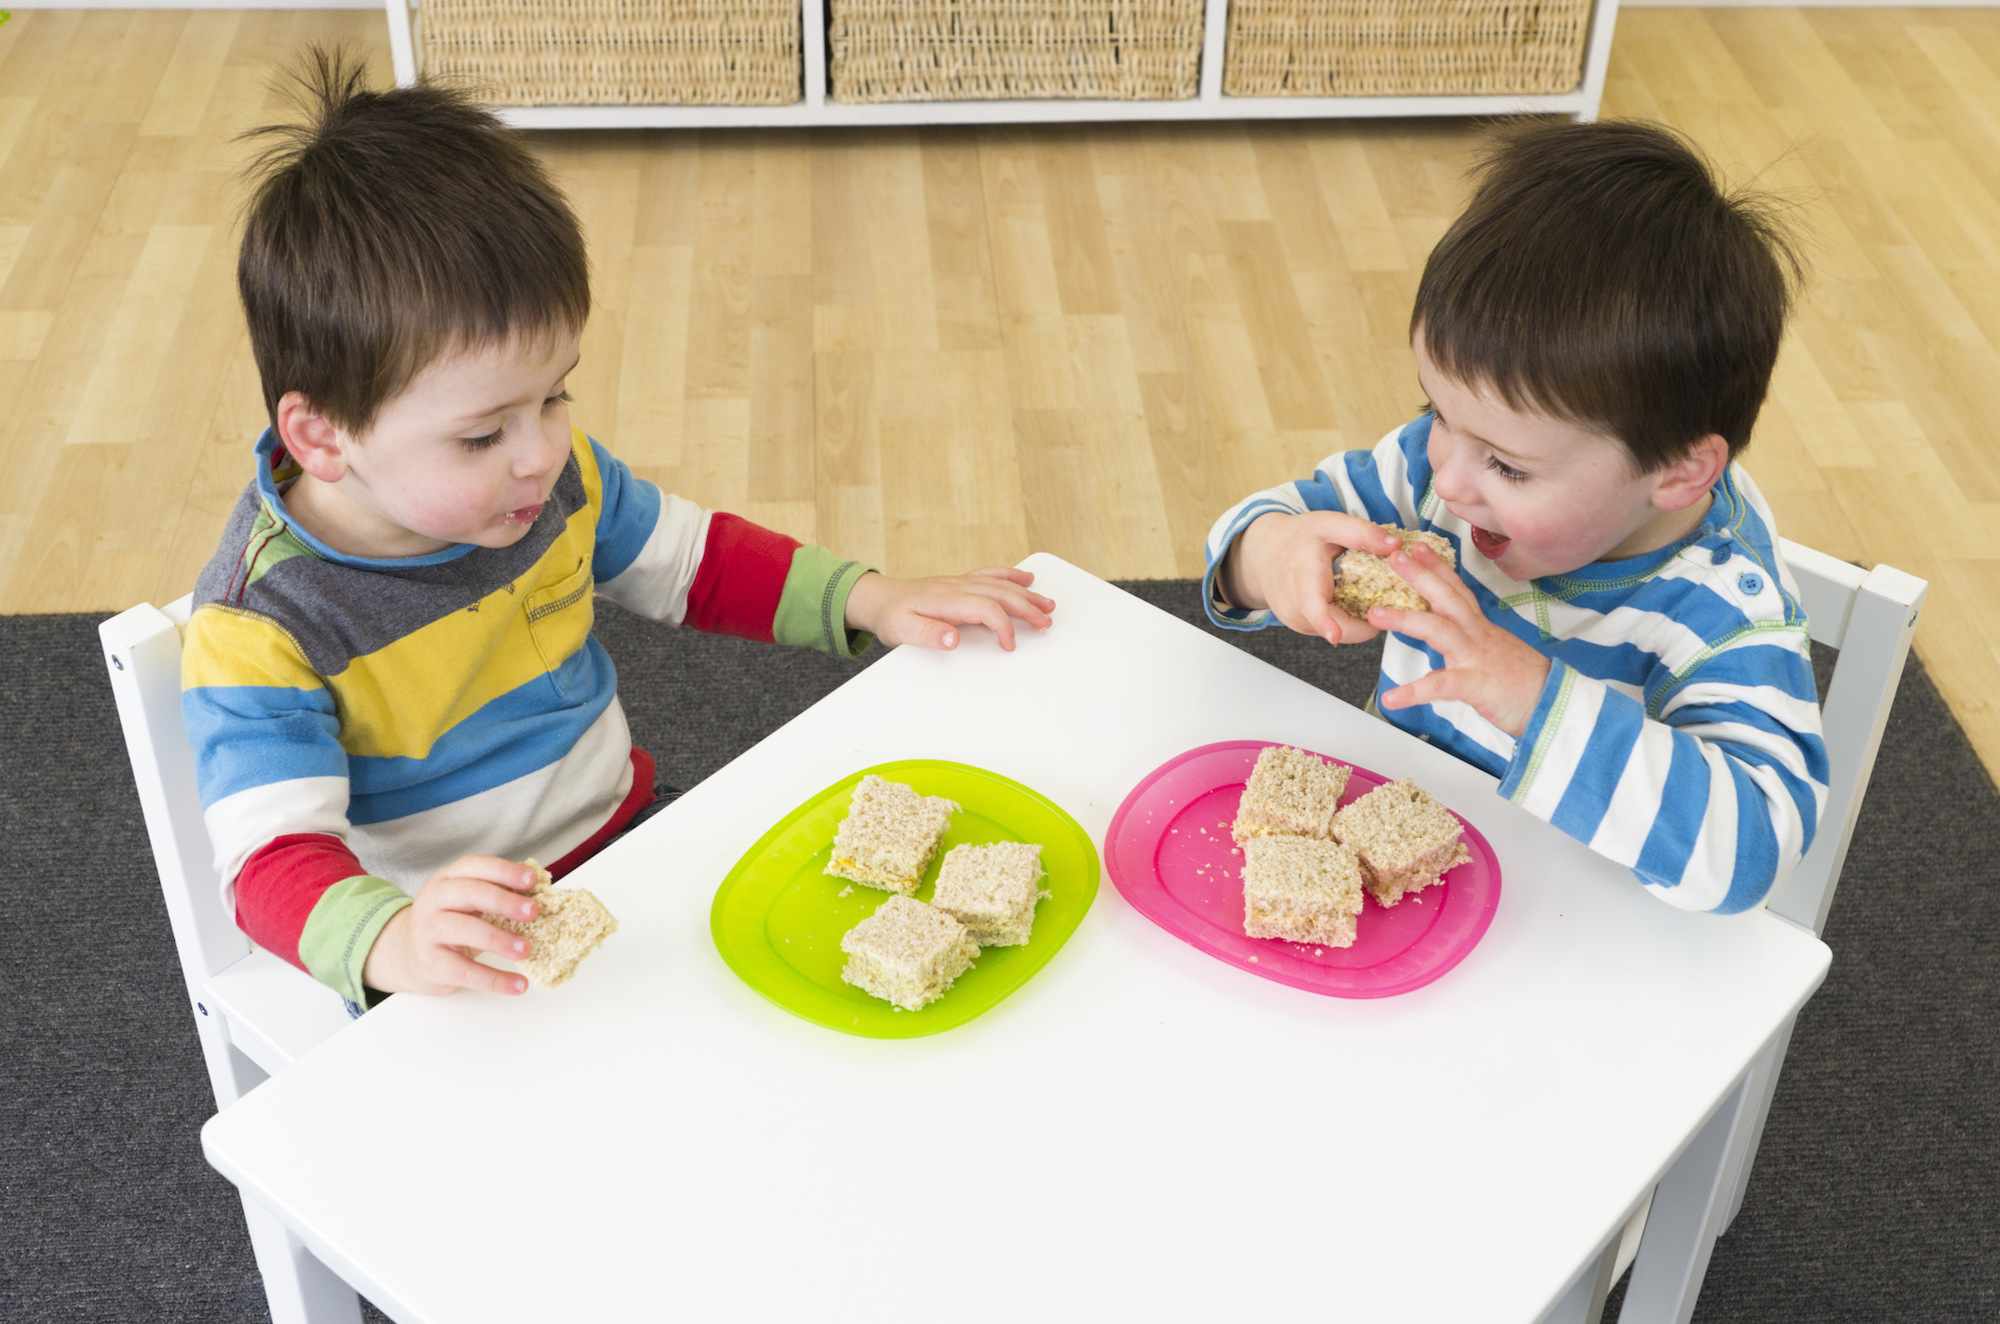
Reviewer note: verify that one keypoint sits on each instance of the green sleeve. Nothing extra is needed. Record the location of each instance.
(812, 610)
(344, 924)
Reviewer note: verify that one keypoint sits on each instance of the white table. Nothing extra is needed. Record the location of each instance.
(1140, 1132)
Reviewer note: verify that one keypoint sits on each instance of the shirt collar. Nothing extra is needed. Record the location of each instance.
(276, 471)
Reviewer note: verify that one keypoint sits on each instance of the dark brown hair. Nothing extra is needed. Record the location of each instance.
(1601, 275)
(389, 229)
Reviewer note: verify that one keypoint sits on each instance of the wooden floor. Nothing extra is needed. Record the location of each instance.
(937, 348)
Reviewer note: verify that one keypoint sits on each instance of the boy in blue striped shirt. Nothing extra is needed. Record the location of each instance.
(1620, 644)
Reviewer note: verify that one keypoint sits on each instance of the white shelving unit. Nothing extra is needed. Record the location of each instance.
(1209, 104)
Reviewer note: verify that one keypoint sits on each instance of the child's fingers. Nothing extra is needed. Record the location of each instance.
(1430, 687)
(1293, 621)
(476, 896)
(1312, 580)
(1008, 572)
(1440, 585)
(1321, 619)
(1005, 590)
(971, 609)
(927, 632)
(456, 970)
(1024, 606)
(1312, 590)
(471, 933)
(492, 869)
(1326, 621)
(976, 610)
(1351, 630)
(1435, 630)
(1343, 530)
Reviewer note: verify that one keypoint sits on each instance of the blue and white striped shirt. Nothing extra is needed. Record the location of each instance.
(1679, 730)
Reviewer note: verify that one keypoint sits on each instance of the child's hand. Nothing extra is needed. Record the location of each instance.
(1285, 562)
(428, 947)
(1483, 664)
(927, 611)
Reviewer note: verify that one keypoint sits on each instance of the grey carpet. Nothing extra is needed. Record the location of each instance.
(1874, 1200)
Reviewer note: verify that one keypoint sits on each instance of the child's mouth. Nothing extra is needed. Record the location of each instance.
(1490, 544)
(525, 515)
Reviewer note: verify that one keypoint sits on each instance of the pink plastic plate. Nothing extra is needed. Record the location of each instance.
(1170, 854)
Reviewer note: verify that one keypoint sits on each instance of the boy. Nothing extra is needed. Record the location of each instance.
(389, 676)
(1620, 643)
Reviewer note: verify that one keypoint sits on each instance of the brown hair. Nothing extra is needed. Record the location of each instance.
(389, 229)
(1601, 275)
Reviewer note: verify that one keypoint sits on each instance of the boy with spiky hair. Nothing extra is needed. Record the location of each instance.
(389, 676)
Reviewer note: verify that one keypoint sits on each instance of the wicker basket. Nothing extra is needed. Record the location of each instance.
(615, 52)
(1012, 50)
(1330, 48)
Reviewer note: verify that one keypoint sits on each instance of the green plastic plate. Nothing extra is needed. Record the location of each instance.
(778, 918)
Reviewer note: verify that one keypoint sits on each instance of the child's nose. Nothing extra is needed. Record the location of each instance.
(1446, 471)
(1446, 483)
(537, 460)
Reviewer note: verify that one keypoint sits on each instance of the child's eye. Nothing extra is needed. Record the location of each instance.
(481, 443)
(1506, 471)
(559, 398)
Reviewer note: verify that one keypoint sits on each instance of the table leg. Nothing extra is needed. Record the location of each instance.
(299, 1288)
(1757, 1104)
(1686, 1215)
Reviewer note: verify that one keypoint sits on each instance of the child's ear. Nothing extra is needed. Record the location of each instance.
(1689, 478)
(310, 438)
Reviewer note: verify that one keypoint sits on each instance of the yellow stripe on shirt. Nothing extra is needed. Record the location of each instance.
(397, 701)
(236, 647)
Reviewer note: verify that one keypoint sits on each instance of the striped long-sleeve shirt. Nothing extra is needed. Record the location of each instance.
(1679, 730)
(358, 723)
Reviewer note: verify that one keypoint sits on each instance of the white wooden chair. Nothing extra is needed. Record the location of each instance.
(254, 1014)
(1870, 616)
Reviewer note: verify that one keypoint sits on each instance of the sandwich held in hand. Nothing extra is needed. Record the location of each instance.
(1362, 580)
(569, 924)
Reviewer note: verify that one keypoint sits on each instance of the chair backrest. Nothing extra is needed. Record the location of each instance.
(142, 648)
(1870, 616)
(254, 1014)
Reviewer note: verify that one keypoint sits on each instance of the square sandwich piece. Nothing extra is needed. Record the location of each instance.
(1362, 579)
(569, 924)
(1405, 839)
(907, 953)
(1302, 889)
(889, 835)
(1290, 793)
(992, 890)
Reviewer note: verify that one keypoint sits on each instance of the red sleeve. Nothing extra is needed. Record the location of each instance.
(636, 799)
(740, 579)
(281, 883)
